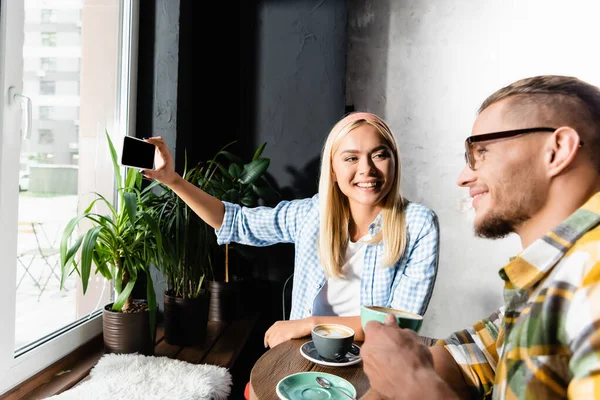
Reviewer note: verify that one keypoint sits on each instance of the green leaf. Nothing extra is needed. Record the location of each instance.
(116, 167)
(123, 296)
(130, 205)
(235, 171)
(64, 260)
(89, 243)
(131, 178)
(226, 183)
(232, 157)
(254, 170)
(224, 171)
(118, 280)
(249, 201)
(259, 151)
(151, 186)
(154, 228)
(112, 209)
(233, 196)
(151, 296)
(69, 260)
(101, 267)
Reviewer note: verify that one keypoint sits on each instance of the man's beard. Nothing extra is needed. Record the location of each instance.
(499, 226)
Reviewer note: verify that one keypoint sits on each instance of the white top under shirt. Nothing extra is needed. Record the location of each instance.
(341, 296)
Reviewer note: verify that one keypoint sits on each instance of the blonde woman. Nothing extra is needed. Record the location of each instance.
(357, 242)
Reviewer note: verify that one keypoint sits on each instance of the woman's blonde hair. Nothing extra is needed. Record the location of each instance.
(335, 210)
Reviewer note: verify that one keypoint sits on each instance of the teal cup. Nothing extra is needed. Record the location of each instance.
(405, 319)
(332, 341)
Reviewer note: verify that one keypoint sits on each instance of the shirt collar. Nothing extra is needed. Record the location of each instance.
(533, 263)
(375, 226)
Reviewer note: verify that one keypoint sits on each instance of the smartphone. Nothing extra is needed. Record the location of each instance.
(137, 153)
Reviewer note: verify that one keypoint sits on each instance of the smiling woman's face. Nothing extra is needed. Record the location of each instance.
(364, 167)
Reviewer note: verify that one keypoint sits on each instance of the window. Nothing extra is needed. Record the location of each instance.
(49, 39)
(46, 136)
(45, 112)
(48, 16)
(48, 64)
(47, 87)
(40, 324)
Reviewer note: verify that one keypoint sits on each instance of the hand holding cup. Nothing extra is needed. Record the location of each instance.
(404, 319)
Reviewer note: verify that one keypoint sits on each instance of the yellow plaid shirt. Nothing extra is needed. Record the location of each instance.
(544, 343)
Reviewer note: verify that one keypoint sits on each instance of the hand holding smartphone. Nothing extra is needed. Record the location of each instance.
(137, 153)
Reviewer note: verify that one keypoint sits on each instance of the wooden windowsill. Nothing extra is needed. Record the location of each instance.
(60, 376)
(222, 346)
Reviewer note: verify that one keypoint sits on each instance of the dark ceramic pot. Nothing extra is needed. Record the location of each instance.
(226, 300)
(186, 320)
(127, 333)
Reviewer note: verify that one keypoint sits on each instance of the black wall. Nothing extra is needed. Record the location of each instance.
(282, 61)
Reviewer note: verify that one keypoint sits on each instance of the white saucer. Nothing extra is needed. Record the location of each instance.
(309, 352)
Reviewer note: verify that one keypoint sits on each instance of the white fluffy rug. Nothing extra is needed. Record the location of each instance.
(139, 377)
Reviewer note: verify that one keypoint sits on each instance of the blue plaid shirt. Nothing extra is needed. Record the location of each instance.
(407, 285)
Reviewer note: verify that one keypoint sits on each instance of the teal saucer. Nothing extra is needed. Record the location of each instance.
(303, 385)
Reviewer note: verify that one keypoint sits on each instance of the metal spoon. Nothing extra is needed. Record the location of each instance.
(324, 383)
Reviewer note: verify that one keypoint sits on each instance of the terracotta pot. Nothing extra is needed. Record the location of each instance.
(127, 333)
(186, 320)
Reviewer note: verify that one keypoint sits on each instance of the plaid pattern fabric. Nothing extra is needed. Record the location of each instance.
(408, 285)
(548, 332)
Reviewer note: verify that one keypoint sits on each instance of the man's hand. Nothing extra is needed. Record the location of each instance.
(281, 331)
(399, 365)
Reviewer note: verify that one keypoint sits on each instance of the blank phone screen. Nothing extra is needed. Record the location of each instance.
(137, 153)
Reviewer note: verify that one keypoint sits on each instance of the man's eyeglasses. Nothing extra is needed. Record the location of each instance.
(475, 153)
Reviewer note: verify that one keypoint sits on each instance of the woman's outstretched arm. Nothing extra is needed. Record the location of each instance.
(209, 208)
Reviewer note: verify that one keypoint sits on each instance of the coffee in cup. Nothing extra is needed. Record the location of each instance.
(332, 341)
(405, 319)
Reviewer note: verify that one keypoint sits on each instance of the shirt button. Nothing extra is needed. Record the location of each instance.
(310, 310)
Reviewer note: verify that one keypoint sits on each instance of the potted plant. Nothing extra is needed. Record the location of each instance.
(122, 244)
(231, 179)
(185, 259)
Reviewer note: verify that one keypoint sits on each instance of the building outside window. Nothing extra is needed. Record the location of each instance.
(45, 112)
(46, 136)
(49, 39)
(48, 64)
(47, 87)
(48, 16)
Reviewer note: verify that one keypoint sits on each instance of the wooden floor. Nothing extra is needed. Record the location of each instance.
(222, 346)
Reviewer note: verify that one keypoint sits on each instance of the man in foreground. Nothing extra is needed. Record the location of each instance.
(533, 168)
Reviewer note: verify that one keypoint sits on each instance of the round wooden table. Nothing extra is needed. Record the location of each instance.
(285, 359)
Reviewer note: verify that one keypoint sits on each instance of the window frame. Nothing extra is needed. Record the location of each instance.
(18, 366)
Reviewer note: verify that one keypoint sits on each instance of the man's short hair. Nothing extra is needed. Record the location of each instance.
(554, 100)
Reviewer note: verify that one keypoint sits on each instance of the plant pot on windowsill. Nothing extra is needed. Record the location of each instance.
(227, 300)
(128, 333)
(120, 245)
(186, 319)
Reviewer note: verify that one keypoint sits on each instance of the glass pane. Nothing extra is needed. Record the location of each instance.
(58, 42)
